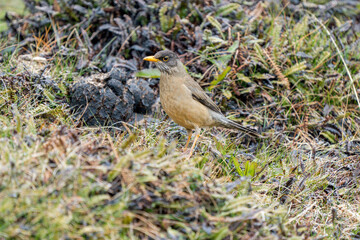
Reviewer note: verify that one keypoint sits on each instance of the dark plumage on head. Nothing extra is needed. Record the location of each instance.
(166, 61)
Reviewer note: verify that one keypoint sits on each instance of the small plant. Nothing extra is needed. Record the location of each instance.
(249, 169)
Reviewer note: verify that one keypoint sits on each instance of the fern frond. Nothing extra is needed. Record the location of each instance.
(295, 68)
(216, 24)
(284, 80)
(228, 8)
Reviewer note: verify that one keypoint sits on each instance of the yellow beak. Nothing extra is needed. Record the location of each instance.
(151, 59)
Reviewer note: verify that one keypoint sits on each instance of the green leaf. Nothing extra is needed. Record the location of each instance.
(225, 10)
(97, 199)
(259, 53)
(227, 94)
(301, 27)
(216, 24)
(220, 77)
(261, 76)
(296, 68)
(243, 78)
(215, 40)
(255, 41)
(233, 47)
(275, 33)
(252, 169)
(225, 58)
(49, 96)
(221, 234)
(237, 166)
(247, 164)
(329, 136)
(148, 73)
(207, 33)
(224, 73)
(324, 57)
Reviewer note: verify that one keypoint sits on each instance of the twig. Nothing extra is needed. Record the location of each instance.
(127, 39)
(57, 37)
(302, 213)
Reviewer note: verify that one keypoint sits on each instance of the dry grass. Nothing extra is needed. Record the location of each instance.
(60, 179)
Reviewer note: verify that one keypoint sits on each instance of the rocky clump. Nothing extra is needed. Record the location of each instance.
(109, 99)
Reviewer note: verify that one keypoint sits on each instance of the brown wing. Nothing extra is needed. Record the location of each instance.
(199, 95)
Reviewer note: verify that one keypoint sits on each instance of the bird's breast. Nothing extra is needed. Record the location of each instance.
(177, 101)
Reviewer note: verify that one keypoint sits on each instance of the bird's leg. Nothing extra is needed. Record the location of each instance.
(189, 131)
(197, 134)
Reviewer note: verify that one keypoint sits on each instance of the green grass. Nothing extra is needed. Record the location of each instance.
(16, 6)
(59, 179)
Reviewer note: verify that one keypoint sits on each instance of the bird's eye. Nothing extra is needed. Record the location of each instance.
(165, 59)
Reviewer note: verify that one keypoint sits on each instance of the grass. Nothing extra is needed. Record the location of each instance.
(16, 6)
(60, 179)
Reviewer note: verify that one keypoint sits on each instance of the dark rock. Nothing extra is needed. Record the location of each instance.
(109, 99)
(118, 74)
(143, 94)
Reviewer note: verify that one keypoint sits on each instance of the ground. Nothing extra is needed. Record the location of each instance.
(73, 169)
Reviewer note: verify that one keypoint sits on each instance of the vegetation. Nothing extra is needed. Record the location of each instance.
(291, 71)
(15, 6)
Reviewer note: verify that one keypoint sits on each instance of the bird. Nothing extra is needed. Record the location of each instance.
(185, 102)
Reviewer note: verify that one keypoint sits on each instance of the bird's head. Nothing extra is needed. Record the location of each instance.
(166, 61)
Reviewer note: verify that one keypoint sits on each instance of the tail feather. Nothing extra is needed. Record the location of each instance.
(234, 125)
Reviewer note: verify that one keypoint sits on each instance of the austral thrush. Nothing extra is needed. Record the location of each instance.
(186, 102)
